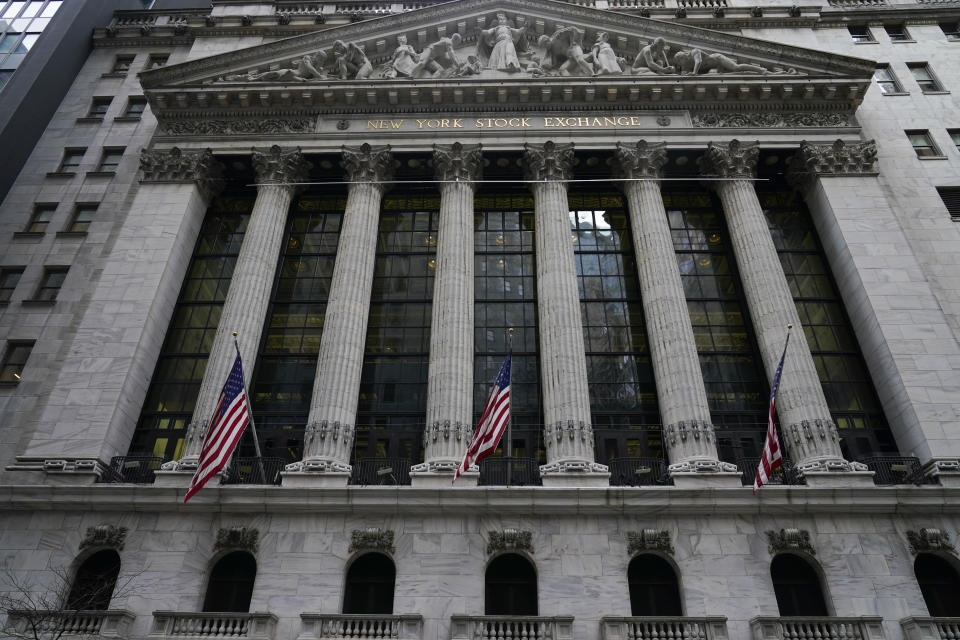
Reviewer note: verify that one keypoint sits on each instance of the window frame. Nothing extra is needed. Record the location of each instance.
(156, 60)
(94, 112)
(898, 36)
(103, 167)
(122, 63)
(44, 290)
(951, 30)
(932, 145)
(10, 371)
(39, 209)
(69, 153)
(934, 82)
(78, 209)
(897, 87)
(131, 114)
(951, 200)
(861, 38)
(6, 292)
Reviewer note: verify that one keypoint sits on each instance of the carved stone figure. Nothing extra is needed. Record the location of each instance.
(695, 61)
(653, 58)
(303, 69)
(405, 58)
(439, 60)
(497, 45)
(604, 58)
(564, 55)
(350, 62)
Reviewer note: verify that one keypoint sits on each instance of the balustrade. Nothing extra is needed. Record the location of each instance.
(817, 628)
(360, 627)
(650, 628)
(172, 624)
(513, 627)
(917, 628)
(70, 624)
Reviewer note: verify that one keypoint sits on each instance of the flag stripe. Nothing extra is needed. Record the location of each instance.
(493, 421)
(771, 458)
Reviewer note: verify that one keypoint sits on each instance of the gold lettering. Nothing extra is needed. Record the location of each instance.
(524, 122)
(583, 122)
(478, 124)
(458, 123)
(623, 121)
(396, 123)
(548, 122)
(634, 121)
(500, 123)
(420, 123)
(612, 122)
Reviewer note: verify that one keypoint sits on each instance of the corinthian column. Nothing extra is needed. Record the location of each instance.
(688, 430)
(450, 379)
(245, 307)
(568, 436)
(336, 387)
(809, 431)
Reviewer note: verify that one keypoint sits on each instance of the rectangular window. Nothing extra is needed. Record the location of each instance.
(885, 79)
(14, 360)
(122, 64)
(951, 30)
(135, 107)
(98, 107)
(951, 199)
(955, 137)
(860, 33)
(157, 60)
(9, 42)
(110, 159)
(9, 278)
(71, 160)
(897, 32)
(924, 76)
(41, 217)
(82, 217)
(51, 282)
(923, 144)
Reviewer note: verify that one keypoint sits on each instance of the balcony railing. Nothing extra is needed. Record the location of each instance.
(132, 469)
(321, 626)
(890, 470)
(915, 628)
(250, 471)
(511, 627)
(638, 472)
(817, 628)
(381, 471)
(70, 624)
(657, 628)
(785, 474)
(172, 624)
(524, 472)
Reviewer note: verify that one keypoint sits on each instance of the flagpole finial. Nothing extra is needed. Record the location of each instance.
(789, 326)
(510, 330)
(234, 334)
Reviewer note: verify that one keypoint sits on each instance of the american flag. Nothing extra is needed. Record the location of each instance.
(772, 458)
(496, 415)
(230, 418)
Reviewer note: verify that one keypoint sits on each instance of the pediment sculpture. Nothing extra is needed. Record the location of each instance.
(506, 47)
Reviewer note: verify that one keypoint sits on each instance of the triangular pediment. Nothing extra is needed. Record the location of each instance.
(476, 51)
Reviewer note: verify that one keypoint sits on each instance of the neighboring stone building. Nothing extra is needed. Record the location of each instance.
(371, 195)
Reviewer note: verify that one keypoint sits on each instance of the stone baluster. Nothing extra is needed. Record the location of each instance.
(450, 378)
(336, 387)
(688, 430)
(809, 431)
(568, 435)
(245, 307)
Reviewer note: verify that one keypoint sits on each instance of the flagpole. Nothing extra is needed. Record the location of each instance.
(253, 429)
(510, 418)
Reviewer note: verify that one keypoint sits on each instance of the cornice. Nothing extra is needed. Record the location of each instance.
(907, 13)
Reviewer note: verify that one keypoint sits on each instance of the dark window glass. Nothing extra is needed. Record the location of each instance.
(98, 107)
(939, 584)
(122, 64)
(797, 587)
(95, 581)
(505, 296)
(860, 33)
(183, 358)
(42, 215)
(231, 583)
(854, 404)
(369, 585)
(72, 159)
(9, 42)
(135, 107)
(951, 30)
(951, 200)
(623, 396)
(897, 32)
(510, 587)
(82, 218)
(283, 380)
(924, 77)
(654, 590)
(955, 137)
(157, 60)
(885, 79)
(51, 283)
(109, 160)
(9, 278)
(14, 360)
(923, 144)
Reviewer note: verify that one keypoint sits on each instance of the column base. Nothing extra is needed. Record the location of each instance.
(706, 480)
(839, 479)
(575, 473)
(314, 480)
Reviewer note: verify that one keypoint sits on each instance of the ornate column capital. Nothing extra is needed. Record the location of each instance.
(837, 159)
(367, 163)
(732, 160)
(276, 166)
(458, 162)
(177, 166)
(641, 160)
(548, 161)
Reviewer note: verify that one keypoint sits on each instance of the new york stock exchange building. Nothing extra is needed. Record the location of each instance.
(370, 197)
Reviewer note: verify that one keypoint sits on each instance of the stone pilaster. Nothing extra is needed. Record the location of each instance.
(808, 430)
(245, 307)
(568, 435)
(688, 431)
(450, 378)
(336, 387)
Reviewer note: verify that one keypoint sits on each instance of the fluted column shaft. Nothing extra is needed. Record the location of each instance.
(682, 397)
(809, 431)
(568, 435)
(450, 378)
(336, 387)
(245, 307)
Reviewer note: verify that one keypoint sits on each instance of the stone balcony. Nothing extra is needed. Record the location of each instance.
(650, 628)
(517, 627)
(174, 625)
(917, 628)
(817, 628)
(360, 627)
(69, 624)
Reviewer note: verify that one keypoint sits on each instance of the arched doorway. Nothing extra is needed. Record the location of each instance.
(511, 587)
(95, 581)
(939, 583)
(654, 588)
(231, 583)
(369, 585)
(797, 587)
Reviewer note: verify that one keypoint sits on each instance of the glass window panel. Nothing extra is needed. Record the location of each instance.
(51, 8)
(13, 9)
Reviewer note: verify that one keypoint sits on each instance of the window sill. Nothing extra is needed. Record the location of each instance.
(8, 383)
(896, 93)
(101, 174)
(865, 42)
(71, 234)
(26, 235)
(936, 93)
(127, 119)
(61, 174)
(113, 74)
(931, 157)
(38, 303)
(911, 41)
(90, 120)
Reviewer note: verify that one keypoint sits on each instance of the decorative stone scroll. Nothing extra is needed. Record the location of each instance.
(736, 120)
(837, 159)
(649, 540)
(548, 161)
(458, 162)
(210, 127)
(372, 539)
(105, 535)
(789, 540)
(641, 160)
(237, 539)
(367, 163)
(509, 540)
(930, 539)
(276, 166)
(735, 160)
(175, 165)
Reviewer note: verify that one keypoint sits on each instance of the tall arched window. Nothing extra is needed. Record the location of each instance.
(939, 583)
(370, 583)
(95, 581)
(797, 586)
(511, 587)
(231, 583)
(654, 590)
